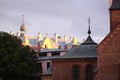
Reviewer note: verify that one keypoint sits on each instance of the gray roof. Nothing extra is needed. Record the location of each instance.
(88, 41)
(82, 51)
(115, 4)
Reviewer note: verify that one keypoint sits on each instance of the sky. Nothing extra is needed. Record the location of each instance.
(64, 17)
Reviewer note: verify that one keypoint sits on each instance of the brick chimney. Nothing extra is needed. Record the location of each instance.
(59, 47)
(66, 47)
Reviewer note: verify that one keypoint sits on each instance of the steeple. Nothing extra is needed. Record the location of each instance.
(89, 40)
(115, 4)
(23, 27)
(89, 31)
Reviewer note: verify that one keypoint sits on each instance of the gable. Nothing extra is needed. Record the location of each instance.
(111, 43)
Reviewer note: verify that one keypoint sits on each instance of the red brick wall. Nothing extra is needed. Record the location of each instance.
(109, 56)
(63, 69)
(114, 18)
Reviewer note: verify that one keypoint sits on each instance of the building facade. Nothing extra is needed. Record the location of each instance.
(109, 49)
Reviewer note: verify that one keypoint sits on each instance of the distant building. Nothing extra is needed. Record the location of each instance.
(45, 42)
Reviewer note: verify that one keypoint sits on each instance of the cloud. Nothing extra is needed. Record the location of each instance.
(67, 17)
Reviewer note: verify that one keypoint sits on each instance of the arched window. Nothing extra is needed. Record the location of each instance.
(76, 72)
(89, 72)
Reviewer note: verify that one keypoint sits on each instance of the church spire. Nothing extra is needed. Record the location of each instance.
(89, 31)
(22, 19)
(23, 27)
(89, 40)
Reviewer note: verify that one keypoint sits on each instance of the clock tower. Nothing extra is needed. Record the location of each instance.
(114, 13)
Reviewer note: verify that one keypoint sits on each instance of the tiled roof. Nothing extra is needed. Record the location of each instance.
(115, 4)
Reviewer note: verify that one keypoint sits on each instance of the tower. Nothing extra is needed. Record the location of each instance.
(114, 13)
(23, 36)
(23, 27)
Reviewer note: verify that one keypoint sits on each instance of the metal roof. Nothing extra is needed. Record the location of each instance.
(88, 41)
(82, 51)
(115, 4)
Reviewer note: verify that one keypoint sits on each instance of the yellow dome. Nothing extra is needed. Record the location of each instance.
(74, 41)
(49, 43)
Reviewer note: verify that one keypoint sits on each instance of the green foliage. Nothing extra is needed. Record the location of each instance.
(17, 62)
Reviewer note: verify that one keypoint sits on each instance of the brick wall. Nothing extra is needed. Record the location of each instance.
(114, 18)
(109, 56)
(63, 69)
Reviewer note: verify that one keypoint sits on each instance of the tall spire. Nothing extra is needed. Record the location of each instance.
(23, 27)
(89, 31)
(23, 19)
(89, 40)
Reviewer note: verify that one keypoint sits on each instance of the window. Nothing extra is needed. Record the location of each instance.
(89, 72)
(76, 72)
(56, 54)
(48, 65)
(40, 66)
(43, 54)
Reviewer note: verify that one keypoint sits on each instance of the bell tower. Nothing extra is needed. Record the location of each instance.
(114, 13)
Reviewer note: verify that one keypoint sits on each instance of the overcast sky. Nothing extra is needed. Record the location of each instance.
(64, 17)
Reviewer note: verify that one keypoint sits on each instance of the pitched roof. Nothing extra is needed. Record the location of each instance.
(82, 51)
(115, 4)
(89, 40)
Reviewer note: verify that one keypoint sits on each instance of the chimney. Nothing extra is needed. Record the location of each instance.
(56, 37)
(65, 38)
(39, 48)
(73, 46)
(59, 47)
(70, 38)
(45, 46)
(66, 47)
(39, 36)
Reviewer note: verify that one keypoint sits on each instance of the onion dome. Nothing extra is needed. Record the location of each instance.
(23, 27)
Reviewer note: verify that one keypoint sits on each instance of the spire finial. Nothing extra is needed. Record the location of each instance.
(89, 31)
(23, 19)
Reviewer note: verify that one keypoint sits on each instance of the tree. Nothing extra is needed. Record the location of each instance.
(17, 62)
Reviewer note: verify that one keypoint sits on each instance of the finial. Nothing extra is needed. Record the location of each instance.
(23, 19)
(89, 31)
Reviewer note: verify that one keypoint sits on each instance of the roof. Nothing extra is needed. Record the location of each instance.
(88, 41)
(49, 43)
(115, 4)
(82, 51)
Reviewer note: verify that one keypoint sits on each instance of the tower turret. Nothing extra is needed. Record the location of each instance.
(23, 27)
(114, 13)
